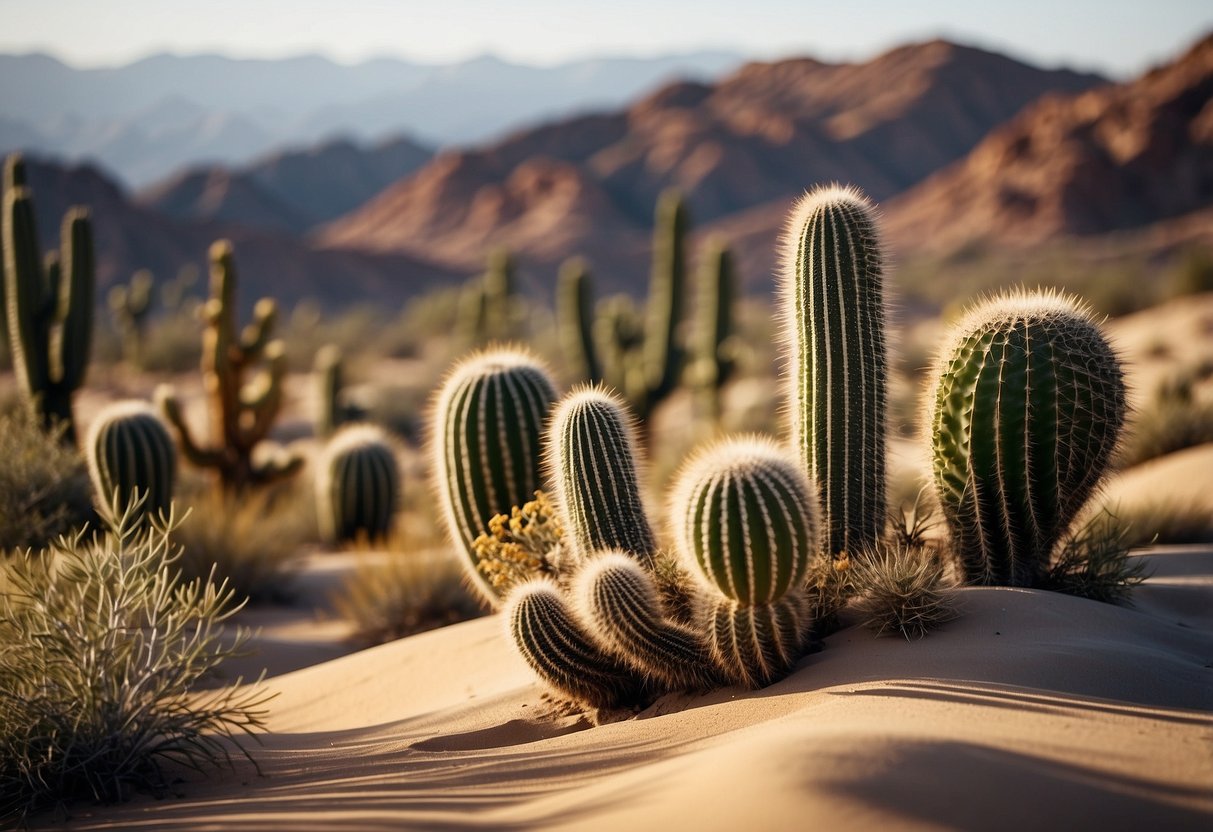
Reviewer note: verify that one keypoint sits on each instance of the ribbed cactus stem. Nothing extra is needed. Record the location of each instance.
(131, 454)
(328, 390)
(833, 309)
(487, 434)
(667, 289)
(712, 341)
(557, 648)
(1026, 408)
(575, 318)
(754, 646)
(357, 485)
(618, 601)
(593, 463)
(131, 306)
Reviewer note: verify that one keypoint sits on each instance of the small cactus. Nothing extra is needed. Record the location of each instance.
(1026, 408)
(592, 458)
(130, 456)
(357, 485)
(748, 528)
(329, 413)
(575, 319)
(486, 443)
(131, 305)
(833, 307)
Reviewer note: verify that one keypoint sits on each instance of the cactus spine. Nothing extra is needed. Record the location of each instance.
(486, 442)
(575, 318)
(835, 341)
(592, 455)
(131, 306)
(1026, 409)
(241, 415)
(130, 452)
(747, 528)
(357, 485)
(49, 308)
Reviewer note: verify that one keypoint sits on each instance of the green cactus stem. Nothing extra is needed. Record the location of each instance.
(329, 413)
(241, 413)
(487, 433)
(131, 455)
(1026, 408)
(713, 346)
(591, 452)
(357, 485)
(49, 308)
(833, 307)
(131, 307)
(575, 319)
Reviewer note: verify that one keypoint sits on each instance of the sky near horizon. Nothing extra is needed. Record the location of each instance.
(1115, 37)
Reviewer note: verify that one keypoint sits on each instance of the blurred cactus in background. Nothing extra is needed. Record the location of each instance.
(329, 413)
(489, 309)
(575, 319)
(713, 348)
(357, 485)
(131, 459)
(131, 307)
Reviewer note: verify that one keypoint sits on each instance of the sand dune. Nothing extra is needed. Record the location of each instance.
(1032, 711)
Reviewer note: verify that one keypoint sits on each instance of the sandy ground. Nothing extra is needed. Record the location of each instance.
(1031, 711)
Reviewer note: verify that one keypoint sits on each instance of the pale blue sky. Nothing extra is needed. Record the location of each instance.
(1113, 36)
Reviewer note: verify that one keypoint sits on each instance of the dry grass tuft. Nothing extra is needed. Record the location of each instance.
(902, 588)
(1093, 562)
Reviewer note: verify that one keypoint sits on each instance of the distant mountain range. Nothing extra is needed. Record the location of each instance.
(149, 119)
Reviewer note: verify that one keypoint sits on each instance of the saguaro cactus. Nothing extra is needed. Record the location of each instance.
(575, 318)
(241, 414)
(487, 445)
(49, 308)
(357, 485)
(833, 306)
(131, 306)
(746, 527)
(130, 452)
(712, 342)
(1026, 409)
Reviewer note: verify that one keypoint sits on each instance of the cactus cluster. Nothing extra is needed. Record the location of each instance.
(48, 303)
(1026, 408)
(357, 485)
(488, 306)
(131, 456)
(241, 414)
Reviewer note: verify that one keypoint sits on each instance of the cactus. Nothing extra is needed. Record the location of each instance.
(832, 297)
(556, 646)
(575, 318)
(131, 305)
(49, 308)
(592, 458)
(747, 529)
(488, 309)
(486, 444)
(1026, 408)
(328, 390)
(357, 485)
(241, 414)
(712, 342)
(667, 287)
(131, 453)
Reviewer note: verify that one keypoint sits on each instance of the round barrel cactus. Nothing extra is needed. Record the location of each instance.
(357, 485)
(1026, 408)
(130, 452)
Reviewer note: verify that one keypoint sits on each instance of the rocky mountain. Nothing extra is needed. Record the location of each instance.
(129, 237)
(289, 191)
(148, 119)
(759, 136)
(1109, 159)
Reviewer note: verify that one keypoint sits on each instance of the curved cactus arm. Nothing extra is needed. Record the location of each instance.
(833, 305)
(553, 643)
(72, 337)
(256, 338)
(263, 398)
(618, 601)
(170, 409)
(753, 646)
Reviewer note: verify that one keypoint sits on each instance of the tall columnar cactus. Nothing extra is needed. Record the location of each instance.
(747, 528)
(592, 457)
(49, 307)
(833, 306)
(131, 307)
(487, 435)
(328, 390)
(241, 415)
(575, 318)
(357, 485)
(712, 359)
(667, 290)
(130, 452)
(488, 308)
(1026, 409)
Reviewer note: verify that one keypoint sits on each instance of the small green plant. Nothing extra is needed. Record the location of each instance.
(131, 453)
(357, 485)
(1093, 561)
(44, 488)
(103, 646)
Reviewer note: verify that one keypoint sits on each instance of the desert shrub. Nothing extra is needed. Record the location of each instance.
(1159, 522)
(1176, 418)
(249, 540)
(44, 488)
(902, 588)
(102, 646)
(404, 594)
(1093, 561)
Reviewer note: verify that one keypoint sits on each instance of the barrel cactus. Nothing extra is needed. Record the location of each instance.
(833, 309)
(486, 442)
(747, 526)
(131, 456)
(1026, 408)
(357, 485)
